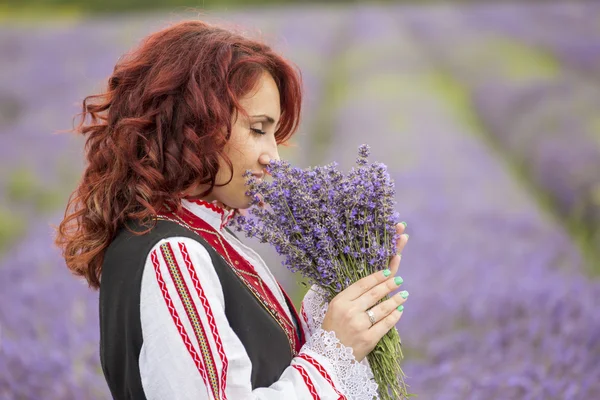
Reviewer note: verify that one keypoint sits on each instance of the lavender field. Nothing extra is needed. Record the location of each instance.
(487, 118)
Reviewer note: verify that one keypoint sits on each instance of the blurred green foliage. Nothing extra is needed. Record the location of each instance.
(24, 188)
(456, 96)
(28, 197)
(323, 126)
(524, 63)
(21, 185)
(11, 228)
(509, 58)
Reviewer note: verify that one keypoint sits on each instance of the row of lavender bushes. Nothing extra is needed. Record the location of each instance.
(534, 88)
(49, 326)
(577, 47)
(500, 304)
(48, 319)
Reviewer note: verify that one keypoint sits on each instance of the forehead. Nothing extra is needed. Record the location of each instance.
(264, 98)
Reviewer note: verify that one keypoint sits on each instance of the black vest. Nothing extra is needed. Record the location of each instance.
(120, 328)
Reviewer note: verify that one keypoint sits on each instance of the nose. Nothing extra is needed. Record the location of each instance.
(267, 156)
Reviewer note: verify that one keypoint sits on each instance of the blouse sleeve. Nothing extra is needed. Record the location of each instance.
(190, 351)
(356, 379)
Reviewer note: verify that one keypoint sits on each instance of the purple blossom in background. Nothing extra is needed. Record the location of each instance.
(49, 329)
(545, 124)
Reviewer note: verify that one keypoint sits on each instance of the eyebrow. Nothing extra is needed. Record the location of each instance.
(271, 120)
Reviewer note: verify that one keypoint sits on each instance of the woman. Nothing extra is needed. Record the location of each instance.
(186, 310)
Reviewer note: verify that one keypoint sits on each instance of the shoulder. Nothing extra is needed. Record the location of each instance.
(181, 247)
(182, 251)
(177, 264)
(141, 239)
(137, 246)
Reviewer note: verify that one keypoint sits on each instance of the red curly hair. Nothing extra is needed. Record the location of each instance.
(158, 129)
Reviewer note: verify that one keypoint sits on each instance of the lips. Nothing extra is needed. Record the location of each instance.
(259, 175)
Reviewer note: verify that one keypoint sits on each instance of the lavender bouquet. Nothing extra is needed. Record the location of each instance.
(333, 229)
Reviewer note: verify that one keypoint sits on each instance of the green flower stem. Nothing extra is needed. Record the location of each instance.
(385, 364)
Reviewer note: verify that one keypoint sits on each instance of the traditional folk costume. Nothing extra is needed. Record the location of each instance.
(189, 312)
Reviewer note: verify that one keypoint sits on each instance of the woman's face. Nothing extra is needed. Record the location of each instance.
(251, 145)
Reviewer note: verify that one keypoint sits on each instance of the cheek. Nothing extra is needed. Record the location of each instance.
(246, 159)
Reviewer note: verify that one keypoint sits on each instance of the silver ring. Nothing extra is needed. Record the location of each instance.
(371, 315)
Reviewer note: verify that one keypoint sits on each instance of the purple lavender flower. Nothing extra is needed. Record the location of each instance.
(333, 229)
(346, 223)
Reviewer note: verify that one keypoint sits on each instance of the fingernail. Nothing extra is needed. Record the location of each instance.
(386, 272)
(407, 236)
(398, 280)
(404, 223)
(404, 294)
(400, 308)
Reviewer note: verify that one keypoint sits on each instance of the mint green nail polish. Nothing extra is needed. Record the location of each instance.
(400, 308)
(398, 280)
(404, 223)
(404, 294)
(386, 272)
(407, 235)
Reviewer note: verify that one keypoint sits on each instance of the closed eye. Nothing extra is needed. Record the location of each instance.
(258, 131)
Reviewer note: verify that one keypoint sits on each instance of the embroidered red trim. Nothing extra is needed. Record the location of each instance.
(226, 215)
(206, 204)
(192, 313)
(301, 332)
(209, 315)
(239, 263)
(307, 382)
(225, 219)
(303, 313)
(177, 320)
(322, 371)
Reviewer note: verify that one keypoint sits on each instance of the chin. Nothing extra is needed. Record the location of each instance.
(238, 203)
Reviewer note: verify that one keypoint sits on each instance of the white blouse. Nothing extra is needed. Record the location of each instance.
(175, 365)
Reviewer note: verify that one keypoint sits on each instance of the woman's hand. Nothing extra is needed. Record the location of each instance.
(347, 312)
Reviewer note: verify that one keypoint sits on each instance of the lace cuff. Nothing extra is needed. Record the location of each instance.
(315, 306)
(355, 379)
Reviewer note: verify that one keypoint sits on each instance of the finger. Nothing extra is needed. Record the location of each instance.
(384, 325)
(385, 308)
(400, 228)
(401, 242)
(394, 264)
(365, 284)
(373, 296)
